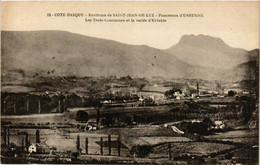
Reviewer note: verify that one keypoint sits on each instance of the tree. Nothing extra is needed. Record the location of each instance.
(82, 116)
(231, 93)
(108, 120)
(140, 150)
(98, 116)
(27, 141)
(170, 93)
(38, 136)
(78, 144)
(208, 122)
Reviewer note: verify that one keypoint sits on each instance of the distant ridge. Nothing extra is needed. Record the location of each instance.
(55, 53)
(73, 54)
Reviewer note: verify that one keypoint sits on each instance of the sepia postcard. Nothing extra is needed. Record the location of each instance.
(132, 82)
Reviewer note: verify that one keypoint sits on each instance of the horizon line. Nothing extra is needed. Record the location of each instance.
(129, 43)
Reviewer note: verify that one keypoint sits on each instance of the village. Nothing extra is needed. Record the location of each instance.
(128, 120)
(125, 92)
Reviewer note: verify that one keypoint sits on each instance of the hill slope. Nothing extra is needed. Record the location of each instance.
(58, 52)
(54, 53)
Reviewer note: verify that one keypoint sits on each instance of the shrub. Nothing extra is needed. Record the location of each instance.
(141, 150)
(82, 116)
(231, 93)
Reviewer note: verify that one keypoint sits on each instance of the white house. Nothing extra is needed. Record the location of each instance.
(39, 148)
(32, 148)
(219, 124)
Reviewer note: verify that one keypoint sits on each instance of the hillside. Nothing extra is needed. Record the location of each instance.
(55, 53)
(58, 52)
(253, 55)
(248, 70)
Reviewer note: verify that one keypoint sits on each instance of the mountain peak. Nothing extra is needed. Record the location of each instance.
(201, 40)
(207, 51)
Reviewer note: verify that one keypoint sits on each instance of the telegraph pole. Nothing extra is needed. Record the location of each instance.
(4, 106)
(169, 151)
(109, 144)
(198, 89)
(14, 107)
(101, 145)
(86, 145)
(59, 109)
(39, 106)
(27, 105)
(118, 145)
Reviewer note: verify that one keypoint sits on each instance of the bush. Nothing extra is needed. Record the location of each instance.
(141, 150)
(108, 120)
(74, 155)
(82, 116)
(231, 93)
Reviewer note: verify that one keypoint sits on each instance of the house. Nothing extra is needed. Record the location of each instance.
(39, 148)
(32, 148)
(236, 85)
(155, 96)
(219, 124)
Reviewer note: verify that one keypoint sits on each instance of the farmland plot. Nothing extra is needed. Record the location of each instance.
(189, 148)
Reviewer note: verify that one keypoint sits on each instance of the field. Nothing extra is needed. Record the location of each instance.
(249, 137)
(189, 149)
(35, 118)
(143, 134)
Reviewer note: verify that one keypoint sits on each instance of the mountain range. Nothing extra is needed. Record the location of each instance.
(56, 53)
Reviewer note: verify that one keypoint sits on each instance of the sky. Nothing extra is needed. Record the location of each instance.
(236, 23)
